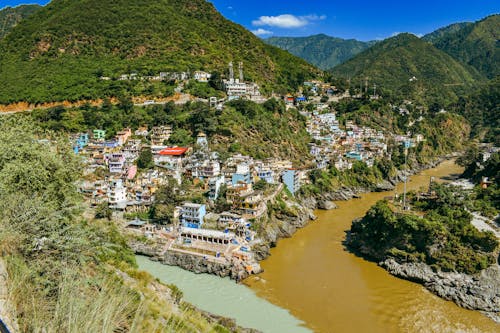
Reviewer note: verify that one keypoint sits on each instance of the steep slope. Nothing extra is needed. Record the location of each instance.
(474, 44)
(441, 33)
(10, 17)
(407, 67)
(61, 51)
(321, 50)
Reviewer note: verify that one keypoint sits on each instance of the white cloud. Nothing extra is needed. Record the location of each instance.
(287, 21)
(262, 32)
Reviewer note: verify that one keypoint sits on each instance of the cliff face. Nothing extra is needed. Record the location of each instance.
(481, 292)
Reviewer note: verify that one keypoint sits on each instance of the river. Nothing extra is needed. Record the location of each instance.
(332, 290)
(313, 277)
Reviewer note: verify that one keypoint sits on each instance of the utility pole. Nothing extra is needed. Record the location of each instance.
(366, 85)
(374, 90)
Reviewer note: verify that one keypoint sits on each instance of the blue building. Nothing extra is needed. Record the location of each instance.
(266, 175)
(291, 179)
(192, 215)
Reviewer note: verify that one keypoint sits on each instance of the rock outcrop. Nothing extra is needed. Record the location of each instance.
(475, 292)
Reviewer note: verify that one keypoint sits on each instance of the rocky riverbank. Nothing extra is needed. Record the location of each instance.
(273, 226)
(475, 292)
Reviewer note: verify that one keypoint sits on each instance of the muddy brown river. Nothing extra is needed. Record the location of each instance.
(332, 290)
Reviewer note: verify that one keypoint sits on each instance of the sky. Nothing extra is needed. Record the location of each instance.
(362, 20)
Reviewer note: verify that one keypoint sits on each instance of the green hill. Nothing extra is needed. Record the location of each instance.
(10, 17)
(321, 50)
(475, 44)
(408, 67)
(443, 32)
(60, 52)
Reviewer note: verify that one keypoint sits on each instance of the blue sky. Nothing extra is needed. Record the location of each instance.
(363, 20)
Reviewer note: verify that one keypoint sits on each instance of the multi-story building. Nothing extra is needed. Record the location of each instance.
(291, 179)
(192, 214)
(116, 162)
(117, 195)
(160, 134)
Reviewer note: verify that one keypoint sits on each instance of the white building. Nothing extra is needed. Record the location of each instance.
(201, 76)
(117, 194)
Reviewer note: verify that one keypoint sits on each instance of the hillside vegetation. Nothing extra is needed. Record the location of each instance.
(11, 16)
(408, 67)
(321, 50)
(443, 238)
(60, 52)
(68, 274)
(257, 130)
(475, 44)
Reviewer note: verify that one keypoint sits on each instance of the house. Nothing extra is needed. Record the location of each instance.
(117, 195)
(201, 76)
(205, 235)
(291, 179)
(242, 174)
(192, 215)
(243, 198)
(142, 131)
(267, 175)
(214, 185)
(201, 140)
(116, 162)
(171, 156)
(99, 134)
(160, 134)
(123, 136)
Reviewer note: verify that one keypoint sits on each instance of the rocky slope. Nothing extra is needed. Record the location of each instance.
(480, 292)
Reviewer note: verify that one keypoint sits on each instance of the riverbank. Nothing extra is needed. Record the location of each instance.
(278, 223)
(479, 292)
(347, 287)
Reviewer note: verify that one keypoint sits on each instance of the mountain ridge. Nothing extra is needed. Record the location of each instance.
(321, 50)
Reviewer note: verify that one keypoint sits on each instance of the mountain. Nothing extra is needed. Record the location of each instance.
(475, 44)
(10, 17)
(321, 50)
(446, 31)
(60, 52)
(407, 66)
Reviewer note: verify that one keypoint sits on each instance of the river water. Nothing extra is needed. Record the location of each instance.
(328, 289)
(332, 290)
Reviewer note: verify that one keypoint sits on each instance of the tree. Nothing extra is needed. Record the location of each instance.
(103, 211)
(145, 160)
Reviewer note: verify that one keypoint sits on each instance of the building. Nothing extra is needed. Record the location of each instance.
(117, 195)
(238, 88)
(116, 162)
(201, 140)
(123, 136)
(214, 185)
(201, 76)
(242, 174)
(192, 215)
(99, 134)
(267, 175)
(160, 134)
(291, 179)
(172, 156)
(205, 235)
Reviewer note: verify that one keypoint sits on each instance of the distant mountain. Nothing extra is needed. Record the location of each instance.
(321, 50)
(10, 17)
(60, 52)
(410, 67)
(475, 44)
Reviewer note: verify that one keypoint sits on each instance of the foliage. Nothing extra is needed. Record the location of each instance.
(68, 274)
(321, 50)
(103, 211)
(10, 17)
(60, 52)
(145, 160)
(443, 238)
(393, 62)
(242, 126)
(474, 44)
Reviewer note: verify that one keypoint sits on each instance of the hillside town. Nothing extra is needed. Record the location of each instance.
(114, 180)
